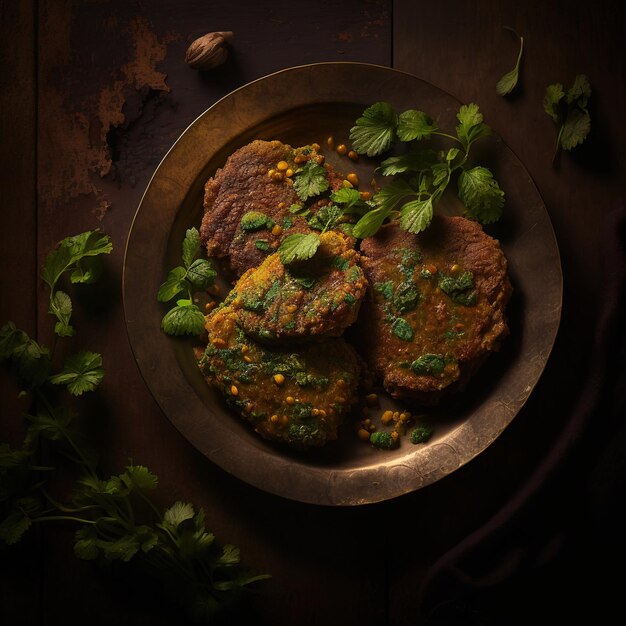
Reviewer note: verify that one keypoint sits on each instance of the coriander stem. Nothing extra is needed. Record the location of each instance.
(68, 518)
(448, 136)
(558, 143)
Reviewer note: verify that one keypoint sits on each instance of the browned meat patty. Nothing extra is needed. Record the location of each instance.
(247, 189)
(294, 395)
(436, 306)
(306, 300)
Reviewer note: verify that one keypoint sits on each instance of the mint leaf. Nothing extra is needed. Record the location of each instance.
(508, 82)
(374, 130)
(416, 215)
(184, 319)
(310, 181)
(174, 285)
(81, 372)
(326, 218)
(191, 246)
(298, 247)
(201, 274)
(414, 124)
(481, 194)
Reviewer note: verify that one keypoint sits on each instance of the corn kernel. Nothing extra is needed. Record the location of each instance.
(209, 305)
(315, 146)
(455, 268)
(279, 379)
(299, 158)
(247, 358)
(363, 434)
(371, 399)
(353, 178)
(218, 343)
(315, 412)
(290, 400)
(353, 155)
(282, 166)
(330, 142)
(342, 149)
(365, 195)
(386, 417)
(278, 176)
(271, 173)
(277, 229)
(234, 390)
(289, 173)
(274, 419)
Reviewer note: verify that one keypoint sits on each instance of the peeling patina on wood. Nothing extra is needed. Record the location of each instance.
(78, 115)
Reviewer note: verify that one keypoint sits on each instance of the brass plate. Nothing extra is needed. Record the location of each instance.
(304, 105)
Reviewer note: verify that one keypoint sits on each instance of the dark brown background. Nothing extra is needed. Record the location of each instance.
(92, 95)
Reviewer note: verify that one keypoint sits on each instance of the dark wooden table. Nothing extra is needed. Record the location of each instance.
(93, 93)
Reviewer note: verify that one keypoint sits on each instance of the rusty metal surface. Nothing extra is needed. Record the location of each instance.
(302, 105)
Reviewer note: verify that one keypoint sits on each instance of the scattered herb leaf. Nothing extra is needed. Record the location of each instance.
(311, 180)
(509, 81)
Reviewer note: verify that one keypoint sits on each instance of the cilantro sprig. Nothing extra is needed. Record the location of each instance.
(422, 173)
(116, 517)
(569, 112)
(196, 274)
(508, 82)
(79, 256)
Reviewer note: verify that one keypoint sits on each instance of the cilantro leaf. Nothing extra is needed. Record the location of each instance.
(191, 246)
(326, 218)
(553, 96)
(298, 247)
(53, 424)
(509, 81)
(185, 319)
(61, 307)
(371, 222)
(580, 92)
(415, 216)
(255, 220)
(13, 526)
(86, 543)
(81, 372)
(11, 338)
(402, 329)
(310, 181)
(413, 161)
(32, 362)
(71, 250)
(347, 196)
(178, 513)
(471, 125)
(414, 124)
(87, 270)
(138, 478)
(375, 130)
(575, 129)
(394, 193)
(481, 194)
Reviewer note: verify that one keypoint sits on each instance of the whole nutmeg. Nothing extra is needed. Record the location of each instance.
(209, 51)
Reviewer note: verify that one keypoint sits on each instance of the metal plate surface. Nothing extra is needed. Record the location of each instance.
(298, 106)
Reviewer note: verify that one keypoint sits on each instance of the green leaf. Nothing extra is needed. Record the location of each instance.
(508, 82)
(183, 320)
(575, 128)
(123, 549)
(553, 96)
(310, 181)
(394, 193)
(262, 244)
(406, 297)
(255, 220)
(370, 222)
(386, 289)
(11, 338)
(413, 161)
(374, 130)
(471, 125)
(579, 92)
(298, 209)
(61, 308)
(402, 329)
(459, 288)
(298, 247)
(326, 218)
(416, 215)
(191, 246)
(481, 194)
(86, 543)
(32, 362)
(178, 513)
(139, 478)
(414, 124)
(174, 285)
(421, 434)
(87, 271)
(71, 250)
(428, 364)
(230, 555)
(14, 526)
(53, 424)
(201, 274)
(81, 372)
(346, 196)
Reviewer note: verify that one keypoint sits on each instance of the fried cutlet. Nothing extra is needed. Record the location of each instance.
(436, 306)
(296, 395)
(247, 202)
(319, 297)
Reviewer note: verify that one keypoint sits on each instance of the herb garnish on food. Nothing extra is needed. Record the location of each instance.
(196, 274)
(423, 174)
(118, 521)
